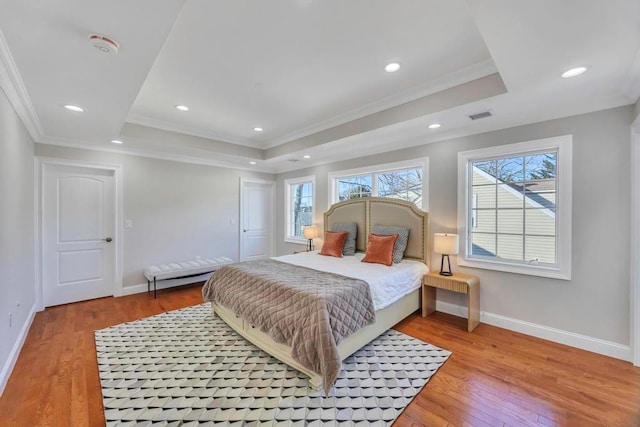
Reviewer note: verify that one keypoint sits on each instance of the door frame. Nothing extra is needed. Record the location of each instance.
(40, 163)
(635, 242)
(272, 230)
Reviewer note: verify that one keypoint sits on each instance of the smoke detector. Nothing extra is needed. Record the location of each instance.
(104, 44)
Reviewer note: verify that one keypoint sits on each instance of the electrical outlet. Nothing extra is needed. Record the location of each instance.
(10, 320)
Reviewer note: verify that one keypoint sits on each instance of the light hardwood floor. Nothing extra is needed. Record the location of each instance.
(494, 377)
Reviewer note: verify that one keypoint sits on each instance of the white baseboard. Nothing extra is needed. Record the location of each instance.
(15, 351)
(163, 284)
(584, 342)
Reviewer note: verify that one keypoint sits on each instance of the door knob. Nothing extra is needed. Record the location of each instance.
(244, 230)
(108, 239)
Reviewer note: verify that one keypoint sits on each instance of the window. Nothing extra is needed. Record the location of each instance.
(403, 180)
(300, 198)
(514, 207)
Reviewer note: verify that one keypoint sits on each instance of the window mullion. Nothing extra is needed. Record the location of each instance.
(557, 205)
(374, 185)
(524, 210)
(496, 205)
(469, 236)
(289, 210)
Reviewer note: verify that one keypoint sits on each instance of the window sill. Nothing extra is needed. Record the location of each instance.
(297, 241)
(532, 270)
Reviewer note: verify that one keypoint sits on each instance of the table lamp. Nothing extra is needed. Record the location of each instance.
(310, 232)
(445, 244)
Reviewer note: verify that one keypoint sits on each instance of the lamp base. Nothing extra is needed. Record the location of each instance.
(444, 272)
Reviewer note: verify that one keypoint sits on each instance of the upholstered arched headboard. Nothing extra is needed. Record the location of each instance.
(370, 211)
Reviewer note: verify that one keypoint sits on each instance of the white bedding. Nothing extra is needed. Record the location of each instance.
(388, 284)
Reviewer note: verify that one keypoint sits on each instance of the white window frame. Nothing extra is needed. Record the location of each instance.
(564, 146)
(287, 205)
(421, 163)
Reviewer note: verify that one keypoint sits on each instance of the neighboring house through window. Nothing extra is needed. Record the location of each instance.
(300, 201)
(514, 207)
(402, 180)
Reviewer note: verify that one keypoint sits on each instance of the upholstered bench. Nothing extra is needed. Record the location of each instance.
(181, 270)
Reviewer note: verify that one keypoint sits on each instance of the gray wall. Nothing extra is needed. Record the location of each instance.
(17, 279)
(179, 210)
(596, 301)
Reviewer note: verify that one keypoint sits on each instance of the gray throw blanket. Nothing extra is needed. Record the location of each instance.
(311, 311)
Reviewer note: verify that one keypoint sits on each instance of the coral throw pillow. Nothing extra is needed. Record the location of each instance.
(380, 249)
(334, 243)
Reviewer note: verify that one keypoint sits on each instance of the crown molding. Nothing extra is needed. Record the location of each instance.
(16, 92)
(72, 143)
(458, 77)
(138, 119)
(455, 78)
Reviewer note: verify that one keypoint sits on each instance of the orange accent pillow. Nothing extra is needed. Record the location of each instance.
(334, 243)
(380, 249)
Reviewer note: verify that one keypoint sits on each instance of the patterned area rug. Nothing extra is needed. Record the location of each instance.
(188, 368)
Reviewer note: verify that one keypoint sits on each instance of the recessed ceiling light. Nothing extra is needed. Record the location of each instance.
(74, 108)
(116, 141)
(573, 72)
(306, 156)
(434, 126)
(392, 67)
(252, 163)
(258, 129)
(182, 107)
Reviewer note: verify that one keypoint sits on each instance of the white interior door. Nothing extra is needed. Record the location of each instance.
(78, 225)
(256, 216)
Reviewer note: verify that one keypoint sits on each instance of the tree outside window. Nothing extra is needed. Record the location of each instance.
(404, 184)
(300, 199)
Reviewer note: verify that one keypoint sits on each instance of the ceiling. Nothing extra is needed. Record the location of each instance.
(309, 72)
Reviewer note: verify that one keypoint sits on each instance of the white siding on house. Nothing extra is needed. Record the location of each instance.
(518, 220)
(540, 248)
(510, 247)
(540, 222)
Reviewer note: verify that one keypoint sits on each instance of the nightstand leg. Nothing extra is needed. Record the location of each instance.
(473, 305)
(428, 300)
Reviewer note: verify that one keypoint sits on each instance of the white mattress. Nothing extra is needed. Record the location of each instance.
(388, 284)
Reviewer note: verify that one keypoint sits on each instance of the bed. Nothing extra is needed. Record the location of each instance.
(391, 305)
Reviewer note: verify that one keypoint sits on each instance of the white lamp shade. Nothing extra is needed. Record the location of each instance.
(310, 232)
(444, 243)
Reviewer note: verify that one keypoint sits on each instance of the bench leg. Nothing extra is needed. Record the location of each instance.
(155, 290)
(148, 286)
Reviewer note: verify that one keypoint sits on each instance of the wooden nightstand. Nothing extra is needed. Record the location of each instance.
(461, 283)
